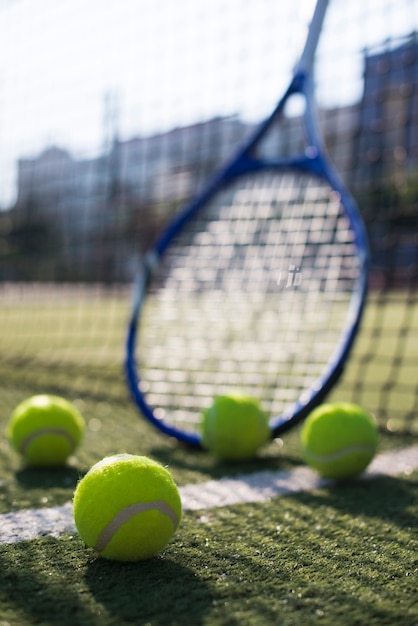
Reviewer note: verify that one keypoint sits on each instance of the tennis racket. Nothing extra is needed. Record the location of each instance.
(258, 285)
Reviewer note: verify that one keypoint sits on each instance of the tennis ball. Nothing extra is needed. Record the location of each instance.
(45, 430)
(127, 507)
(234, 427)
(339, 439)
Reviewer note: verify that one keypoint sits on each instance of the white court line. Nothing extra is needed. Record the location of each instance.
(259, 487)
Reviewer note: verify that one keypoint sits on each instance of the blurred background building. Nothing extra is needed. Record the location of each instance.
(90, 219)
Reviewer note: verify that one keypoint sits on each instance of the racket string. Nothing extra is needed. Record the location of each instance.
(252, 295)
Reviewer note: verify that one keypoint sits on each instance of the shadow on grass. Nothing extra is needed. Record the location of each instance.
(35, 477)
(159, 591)
(383, 497)
(55, 583)
(36, 586)
(197, 460)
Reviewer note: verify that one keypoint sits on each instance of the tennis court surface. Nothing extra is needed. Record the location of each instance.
(101, 144)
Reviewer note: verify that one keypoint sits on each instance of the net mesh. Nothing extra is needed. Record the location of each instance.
(102, 141)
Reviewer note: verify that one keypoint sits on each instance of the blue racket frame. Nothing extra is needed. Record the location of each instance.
(313, 161)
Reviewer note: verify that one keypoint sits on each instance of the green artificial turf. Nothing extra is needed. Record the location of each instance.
(342, 555)
(346, 555)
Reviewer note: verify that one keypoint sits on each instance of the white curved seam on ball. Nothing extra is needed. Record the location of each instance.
(41, 432)
(335, 456)
(127, 514)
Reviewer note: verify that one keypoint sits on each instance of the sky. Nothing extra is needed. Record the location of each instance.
(72, 72)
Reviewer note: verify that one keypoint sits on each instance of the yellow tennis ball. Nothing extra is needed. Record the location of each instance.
(339, 439)
(127, 507)
(235, 427)
(45, 430)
